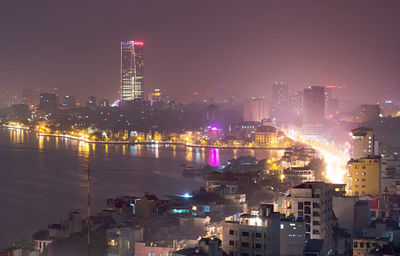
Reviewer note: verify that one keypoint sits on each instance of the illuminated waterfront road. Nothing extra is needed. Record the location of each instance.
(335, 159)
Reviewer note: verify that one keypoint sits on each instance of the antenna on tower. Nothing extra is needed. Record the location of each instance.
(89, 170)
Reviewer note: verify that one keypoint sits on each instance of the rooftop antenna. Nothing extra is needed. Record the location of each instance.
(89, 170)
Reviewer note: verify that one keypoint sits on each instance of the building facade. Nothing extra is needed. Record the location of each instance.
(254, 234)
(362, 142)
(255, 109)
(312, 202)
(132, 70)
(365, 176)
(266, 135)
(369, 112)
(292, 237)
(280, 94)
(313, 110)
(120, 241)
(47, 102)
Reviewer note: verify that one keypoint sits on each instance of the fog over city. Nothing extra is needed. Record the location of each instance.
(200, 45)
(199, 128)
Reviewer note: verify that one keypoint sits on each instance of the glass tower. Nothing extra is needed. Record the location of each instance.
(132, 70)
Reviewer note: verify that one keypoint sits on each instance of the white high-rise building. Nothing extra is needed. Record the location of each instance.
(312, 202)
(362, 142)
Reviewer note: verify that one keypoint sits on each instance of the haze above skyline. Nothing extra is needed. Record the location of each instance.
(243, 46)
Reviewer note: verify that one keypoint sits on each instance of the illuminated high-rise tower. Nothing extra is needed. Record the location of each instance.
(132, 70)
(313, 110)
(279, 99)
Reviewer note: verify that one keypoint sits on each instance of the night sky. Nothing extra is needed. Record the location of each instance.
(193, 45)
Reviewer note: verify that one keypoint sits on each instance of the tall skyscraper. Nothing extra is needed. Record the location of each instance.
(280, 96)
(256, 110)
(132, 70)
(27, 97)
(313, 110)
(69, 101)
(369, 112)
(296, 103)
(48, 102)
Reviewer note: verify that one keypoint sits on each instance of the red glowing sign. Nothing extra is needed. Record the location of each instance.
(138, 43)
(332, 86)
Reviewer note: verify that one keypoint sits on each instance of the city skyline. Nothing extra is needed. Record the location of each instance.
(256, 128)
(179, 45)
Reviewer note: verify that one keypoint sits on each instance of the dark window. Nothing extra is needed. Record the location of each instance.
(307, 203)
(231, 242)
(258, 235)
(245, 233)
(258, 246)
(300, 205)
(231, 253)
(245, 254)
(231, 232)
(308, 228)
(245, 244)
(315, 223)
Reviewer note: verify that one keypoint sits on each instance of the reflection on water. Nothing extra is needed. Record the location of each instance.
(198, 155)
(252, 152)
(41, 142)
(17, 135)
(174, 151)
(139, 150)
(38, 178)
(83, 148)
(214, 157)
(156, 151)
(189, 154)
(201, 156)
(133, 150)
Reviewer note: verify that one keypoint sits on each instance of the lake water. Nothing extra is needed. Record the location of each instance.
(43, 178)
